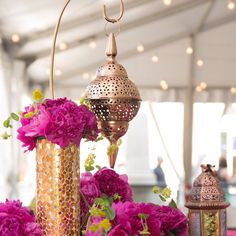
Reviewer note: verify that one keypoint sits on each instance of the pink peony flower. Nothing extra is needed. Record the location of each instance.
(127, 218)
(61, 121)
(15, 220)
(111, 183)
(118, 231)
(173, 220)
(32, 229)
(69, 122)
(90, 189)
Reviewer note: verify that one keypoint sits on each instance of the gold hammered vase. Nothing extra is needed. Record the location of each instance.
(57, 200)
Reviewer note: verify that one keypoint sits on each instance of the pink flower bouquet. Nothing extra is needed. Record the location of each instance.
(109, 207)
(16, 220)
(61, 121)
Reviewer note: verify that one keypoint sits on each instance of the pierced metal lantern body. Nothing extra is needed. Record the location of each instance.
(207, 205)
(114, 98)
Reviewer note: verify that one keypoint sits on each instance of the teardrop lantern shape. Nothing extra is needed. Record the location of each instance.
(114, 98)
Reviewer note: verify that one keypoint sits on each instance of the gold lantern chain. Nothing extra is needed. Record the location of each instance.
(53, 50)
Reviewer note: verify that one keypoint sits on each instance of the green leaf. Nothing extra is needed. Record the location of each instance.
(110, 213)
(156, 190)
(14, 116)
(162, 198)
(98, 167)
(5, 135)
(172, 204)
(6, 123)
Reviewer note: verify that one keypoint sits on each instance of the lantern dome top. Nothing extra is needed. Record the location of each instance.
(207, 192)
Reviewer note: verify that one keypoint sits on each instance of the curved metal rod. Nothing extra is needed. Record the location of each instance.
(122, 9)
(51, 84)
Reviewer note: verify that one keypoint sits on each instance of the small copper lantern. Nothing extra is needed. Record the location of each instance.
(207, 205)
(113, 97)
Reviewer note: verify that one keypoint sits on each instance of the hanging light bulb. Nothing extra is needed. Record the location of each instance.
(85, 75)
(63, 46)
(233, 90)
(189, 50)
(231, 5)
(199, 89)
(200, 62)
(167, 2)
(140, 48)
(164, 85)
(155, 59)
(58, 72)
(92, 44)
(15, 38)
(203, 85)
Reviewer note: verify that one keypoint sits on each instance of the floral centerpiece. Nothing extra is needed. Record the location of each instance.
(61, 121)
(106, 206)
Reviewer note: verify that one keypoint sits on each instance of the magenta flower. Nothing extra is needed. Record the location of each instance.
(16, 220)
(32, 229)
(128, 219)
(173, 220)
(61, 121)
(90, 189)
(118, 231)
(111, 183)
(69, 122)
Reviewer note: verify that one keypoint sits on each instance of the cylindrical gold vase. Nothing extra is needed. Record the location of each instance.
(57, 201)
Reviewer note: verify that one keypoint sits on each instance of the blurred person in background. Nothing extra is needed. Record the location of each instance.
(224, 178)
(160, 176)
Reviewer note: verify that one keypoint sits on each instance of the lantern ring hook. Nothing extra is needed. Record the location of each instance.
(122, 9)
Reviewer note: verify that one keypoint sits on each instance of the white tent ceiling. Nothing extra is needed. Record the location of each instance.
(165, 31)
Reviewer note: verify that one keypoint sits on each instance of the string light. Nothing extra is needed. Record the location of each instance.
(167, 2)
(199, 89)
(233, 90)
(140, 48)
(164, 85)
(93, 77)
(63, 46)
(203, 85)
(15, 38)
(231, 5)
(200, 62)
(189, 50)
(58, 72)
(92, 44)
(85, 75)
(155, 59)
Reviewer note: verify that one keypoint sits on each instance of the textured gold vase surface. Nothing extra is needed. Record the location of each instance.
(57, 201)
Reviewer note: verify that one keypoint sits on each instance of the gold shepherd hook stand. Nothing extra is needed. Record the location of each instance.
(51, 79)
(122, 9)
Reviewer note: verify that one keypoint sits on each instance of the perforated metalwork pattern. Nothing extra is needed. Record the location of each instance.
(112, 87)
(207, 188)
(114, 69)
(115, 109)
(57, 201)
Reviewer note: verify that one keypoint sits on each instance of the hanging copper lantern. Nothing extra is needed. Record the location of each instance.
(114, 98)
(207, 205)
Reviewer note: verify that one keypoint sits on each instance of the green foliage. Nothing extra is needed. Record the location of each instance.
(113, 148)
(164, 194)
(89, 162)
(144, 218)
(172, 204)
(5, 135)
(14, 116)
